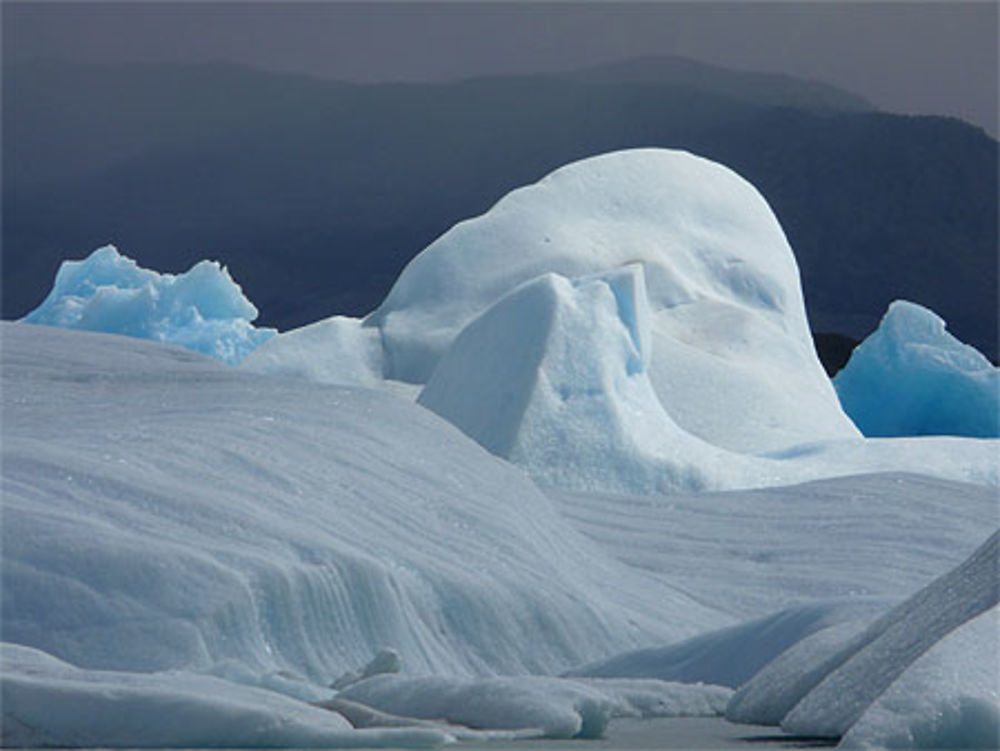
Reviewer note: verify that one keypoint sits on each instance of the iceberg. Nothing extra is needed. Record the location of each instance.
(912, 377)
(206, 531)
(632, 323)
(202, 309)
(727, 324)
(554, 377)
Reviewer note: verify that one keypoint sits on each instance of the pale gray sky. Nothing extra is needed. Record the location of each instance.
(912, 57)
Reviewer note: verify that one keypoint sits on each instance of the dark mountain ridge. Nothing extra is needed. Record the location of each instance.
(317, 193)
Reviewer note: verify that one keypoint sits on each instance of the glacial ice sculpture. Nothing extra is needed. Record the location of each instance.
(911, 377)
(727, 321)
(202, 309)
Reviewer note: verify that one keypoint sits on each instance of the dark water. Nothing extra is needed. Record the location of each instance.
(668, 733)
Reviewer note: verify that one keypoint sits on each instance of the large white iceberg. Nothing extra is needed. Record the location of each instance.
(202, 309)
(912, 377)
(728, 328)
(631, 323)
(727, 322)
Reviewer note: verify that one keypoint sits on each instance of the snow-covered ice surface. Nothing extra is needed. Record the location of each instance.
(550, 707)
(185, 534)
(275, 533)
(202, 309)
(47, 703)
(730, 656)
(949, 698)
(912, 377)
(186, 515)
(876, 536)
(869, 664)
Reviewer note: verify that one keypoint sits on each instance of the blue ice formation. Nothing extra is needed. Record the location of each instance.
(911, 377)
(202, 309)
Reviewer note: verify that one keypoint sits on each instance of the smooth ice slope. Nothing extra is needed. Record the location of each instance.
(948, 698)
(731, 656)
(757, 552)
(202, 309)
(729, 335)
(871, 663)
(45, 702)
(185, 515)
(912, 377)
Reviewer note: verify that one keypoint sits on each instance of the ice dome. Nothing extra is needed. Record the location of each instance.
(912, 377)
(202, 309)
(726, 310)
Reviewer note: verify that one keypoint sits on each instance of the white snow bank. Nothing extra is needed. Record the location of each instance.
(912, 377)
(185, 515)
(729, 335)
(47, 702)
(728, 657)
(868, 665)
(549, 707)
(948, 698)
(202, 309)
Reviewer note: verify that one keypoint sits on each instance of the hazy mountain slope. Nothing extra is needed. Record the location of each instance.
(317, 193)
